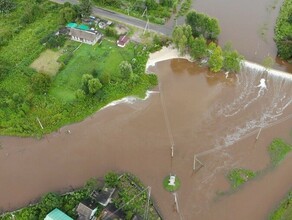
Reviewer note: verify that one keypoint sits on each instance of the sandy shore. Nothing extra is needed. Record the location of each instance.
(166, 53)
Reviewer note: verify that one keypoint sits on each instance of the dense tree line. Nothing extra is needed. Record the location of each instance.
(283, 31)
(204, 25)
(198, 48)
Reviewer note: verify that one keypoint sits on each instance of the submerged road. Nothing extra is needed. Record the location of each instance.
(162, 29)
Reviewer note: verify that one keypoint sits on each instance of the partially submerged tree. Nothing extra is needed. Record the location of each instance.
(203, 25)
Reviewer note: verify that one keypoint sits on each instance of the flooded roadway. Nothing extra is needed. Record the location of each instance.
(210, 115)
(248, 25)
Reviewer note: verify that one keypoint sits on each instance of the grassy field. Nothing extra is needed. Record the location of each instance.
(47, 62)
(27, 95)
(104, 57)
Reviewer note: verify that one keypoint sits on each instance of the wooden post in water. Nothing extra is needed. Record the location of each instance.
(172, 149)
(39, 122)
(259, 134)
(196, 160)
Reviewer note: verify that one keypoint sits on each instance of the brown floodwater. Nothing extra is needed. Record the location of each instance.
(211, 115)
(248, 25)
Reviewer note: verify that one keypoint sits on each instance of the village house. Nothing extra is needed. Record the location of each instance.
(57, 214)
(86, 209)
(82, 33)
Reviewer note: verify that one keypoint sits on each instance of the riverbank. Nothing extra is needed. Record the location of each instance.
(166, 53)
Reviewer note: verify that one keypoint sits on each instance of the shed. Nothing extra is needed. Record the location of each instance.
(103, 197)
(123, 40)
(57, 214)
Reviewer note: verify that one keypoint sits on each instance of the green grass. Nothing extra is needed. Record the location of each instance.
(278, 149)
(169, 187)
(239, 176)
(21, 102)
(105, 57)
(284, 211)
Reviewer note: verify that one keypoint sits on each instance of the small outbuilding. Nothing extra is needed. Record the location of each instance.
(86, 209)
(104, 196)
(57, 214)
(123, 40)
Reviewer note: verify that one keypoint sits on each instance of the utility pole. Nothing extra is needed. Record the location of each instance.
(39, 122)
(146, 26)
(258, 135)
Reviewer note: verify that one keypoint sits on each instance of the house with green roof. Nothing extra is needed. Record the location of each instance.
(82, 33)
(57, 214)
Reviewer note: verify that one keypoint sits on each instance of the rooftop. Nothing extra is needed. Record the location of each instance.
(57, 214)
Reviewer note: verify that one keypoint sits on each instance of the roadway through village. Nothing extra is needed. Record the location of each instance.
(121, 18)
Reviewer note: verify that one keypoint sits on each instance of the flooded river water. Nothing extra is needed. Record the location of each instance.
(213, 116)
(248, 25)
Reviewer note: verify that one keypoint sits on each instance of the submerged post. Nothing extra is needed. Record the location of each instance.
(196, 160)
(172, 150)
(259, 134)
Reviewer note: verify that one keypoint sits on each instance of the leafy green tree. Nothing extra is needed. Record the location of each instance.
(41, 82)
(85, 7)
(49, 202)
(283, 31)
(67, 14)
(104, 78)
(111, 32)
(167, 3)
(111, 179)
(126, 70)
(80, 94)
(203, 25)
(176, 35)
(198, 48)
(85, 79)
(7, 6)
(182, 36)
(94, 85)
(216, 60)
(232, 59)
(31, 13)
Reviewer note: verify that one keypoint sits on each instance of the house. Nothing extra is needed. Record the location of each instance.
(104, 196)
(82, 33)
(57, 214)
(123, 40)
(86, 209)
(111, 212)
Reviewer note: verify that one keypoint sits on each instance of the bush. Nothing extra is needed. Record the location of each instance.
(111, 179)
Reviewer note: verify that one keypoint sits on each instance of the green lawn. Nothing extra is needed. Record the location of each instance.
(105, 57)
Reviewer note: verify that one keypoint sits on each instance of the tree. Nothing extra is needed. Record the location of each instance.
(126, 70)
(49, 202)
(232, 59)
(6, 6)
(111, 179)
(94, 85)
(216, 60)
(182, 36)
(198, 48)
(80, 94)
(176, 35)
(67, 14)
(85, 7)
(203, 25)
(41, 82)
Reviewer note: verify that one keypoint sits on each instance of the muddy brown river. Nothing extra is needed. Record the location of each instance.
(248, 25)
(214, 117)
